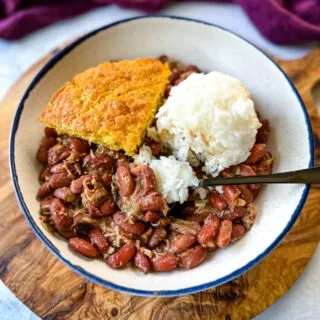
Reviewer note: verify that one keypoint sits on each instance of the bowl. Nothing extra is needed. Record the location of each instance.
(210, 48)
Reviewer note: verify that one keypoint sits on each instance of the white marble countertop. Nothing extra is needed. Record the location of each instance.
(302, 300)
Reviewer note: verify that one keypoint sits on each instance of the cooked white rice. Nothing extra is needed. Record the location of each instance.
(144, 157)
(173, 178)
(202, 192)
(209, 118)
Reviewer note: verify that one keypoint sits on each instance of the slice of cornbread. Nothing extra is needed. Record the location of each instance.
(111, 104)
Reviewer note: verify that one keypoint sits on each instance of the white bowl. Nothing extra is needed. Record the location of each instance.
(210, 48)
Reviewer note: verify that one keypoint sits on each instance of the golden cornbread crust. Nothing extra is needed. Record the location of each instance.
(111, 104)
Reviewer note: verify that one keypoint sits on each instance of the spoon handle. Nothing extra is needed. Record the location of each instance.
(305, 176)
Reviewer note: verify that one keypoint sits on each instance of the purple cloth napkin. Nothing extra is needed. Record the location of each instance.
(281, 21)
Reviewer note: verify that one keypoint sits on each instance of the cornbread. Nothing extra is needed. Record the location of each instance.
(209, 117)
(111, 104)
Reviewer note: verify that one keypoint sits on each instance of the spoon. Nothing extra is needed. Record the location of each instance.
(305, 176)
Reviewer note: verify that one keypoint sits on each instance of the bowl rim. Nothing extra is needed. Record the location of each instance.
(94, 278)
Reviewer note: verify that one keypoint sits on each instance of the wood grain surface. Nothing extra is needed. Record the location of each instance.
(53, 291)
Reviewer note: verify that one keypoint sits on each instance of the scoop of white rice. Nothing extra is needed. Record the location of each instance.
(173, 178)
(144, 157)
(211, 117)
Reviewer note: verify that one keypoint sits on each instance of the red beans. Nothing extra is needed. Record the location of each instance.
(93, 211)
(238, 231)
(68, 233)
(107, 179)
(155, 148)
(167, 91)
(182, 243)
(77, 185)
(158, 235)
(246, 170)
(50, 132)
(151, 216)
(247, 195)
(141, 262)
(231, 194)
(235, 213)
(44, 174)
(121, 220)
(98, 161)
(79, 145)
(108, 206)
(84, 247)
(165, 263)
(59, 213)
(263, 132)
(209, 230)
(152, 202)
(125, 181)
(184, 75)
(192, 68)
(224, 235)
(64, 194)
(43, 151)
(57, 153)
(227, 173)
(255, 187)
(59, 168)
(59, 180)
(193, 257)
(257, 153)
(48, 142)
(174, 75)
(218, 201)
(148, 178)
(44, 190)
(97, 239)
(122, 256)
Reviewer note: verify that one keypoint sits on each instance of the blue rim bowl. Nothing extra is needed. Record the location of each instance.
(87, 274)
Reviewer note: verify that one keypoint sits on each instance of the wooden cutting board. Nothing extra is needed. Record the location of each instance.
(53, 291)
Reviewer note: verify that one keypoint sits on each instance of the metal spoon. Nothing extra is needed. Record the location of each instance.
(305, 176)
